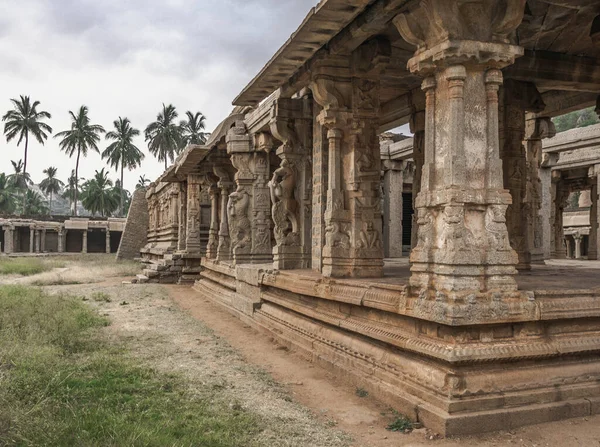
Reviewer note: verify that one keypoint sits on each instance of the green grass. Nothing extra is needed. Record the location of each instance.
(24, 266)
(62, 383)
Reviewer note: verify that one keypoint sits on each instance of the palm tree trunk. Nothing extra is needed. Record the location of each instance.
(51, 203)
(76, 178)
(25, 167)
(166, 163)
(121, 205)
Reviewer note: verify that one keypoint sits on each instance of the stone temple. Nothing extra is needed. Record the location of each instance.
(286, 215)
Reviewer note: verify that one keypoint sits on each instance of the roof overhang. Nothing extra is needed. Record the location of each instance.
(321, 24)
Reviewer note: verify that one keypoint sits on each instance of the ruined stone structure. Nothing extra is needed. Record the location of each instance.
(279, 216)
(68, 235)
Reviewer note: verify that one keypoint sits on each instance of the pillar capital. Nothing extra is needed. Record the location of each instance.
(540, 128)
(444, 33)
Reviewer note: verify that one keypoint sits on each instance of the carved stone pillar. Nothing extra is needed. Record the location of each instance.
(249, 210)
(182, 232)
(290, 184)
(417, 127)
(520, 178)
(84, 241)
(61, 236)
(559, 200)
(213, 232)
(463, 251)
(38, 241)
(537, 181)
(578, 238)
(8, 239)
(594, 238)
(225, 185)
(393, 182)
(348, 90)
(107, 241)
(192, 239)
(31, 239)
(43, 241)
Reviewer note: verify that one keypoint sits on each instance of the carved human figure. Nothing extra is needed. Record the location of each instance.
(369, 236)
(455, 236)
(335, 237)
(239, 224)
(425, 226)
(285, 207)
(495, 225)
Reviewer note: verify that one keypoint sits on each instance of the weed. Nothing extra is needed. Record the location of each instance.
(101, 297)
(361, 392)
(400, 424)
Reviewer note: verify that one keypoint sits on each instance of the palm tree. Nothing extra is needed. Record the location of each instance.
(192, 129)
(142, 182)
(51, 185)
(164, 135)
(82, 137)
(122, 195)
(34, 204)
(24, 120)
(97, 195)
(122, 153)
(8, 201)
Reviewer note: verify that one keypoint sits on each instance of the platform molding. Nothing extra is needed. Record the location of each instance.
(454, 379)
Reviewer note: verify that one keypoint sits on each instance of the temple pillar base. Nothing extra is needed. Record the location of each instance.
(290, 257)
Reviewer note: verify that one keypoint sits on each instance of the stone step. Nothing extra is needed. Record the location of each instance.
(142, 279)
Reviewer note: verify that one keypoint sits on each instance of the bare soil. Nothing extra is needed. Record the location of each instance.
(174, 330)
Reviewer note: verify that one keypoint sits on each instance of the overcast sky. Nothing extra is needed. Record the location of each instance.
(127, 57)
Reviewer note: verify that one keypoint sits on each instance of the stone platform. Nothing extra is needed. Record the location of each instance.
(511, 365)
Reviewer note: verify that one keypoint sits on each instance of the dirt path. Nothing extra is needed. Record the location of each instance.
(174, 330)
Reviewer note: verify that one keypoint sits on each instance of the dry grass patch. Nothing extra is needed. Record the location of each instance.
(28, 266)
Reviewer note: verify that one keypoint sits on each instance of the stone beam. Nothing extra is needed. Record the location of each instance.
(555, 71)
(559, 103)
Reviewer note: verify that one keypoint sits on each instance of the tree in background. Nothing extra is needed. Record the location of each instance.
(122, 153)
(192, 129)
(81, 138)
(98, 196)
(72, 184)
(34, 204)
(164, 135)
(579, 118)
(25, 120)
(51, 184)
(20, 181)
(8, 195)
(142, 183)
(122, 195)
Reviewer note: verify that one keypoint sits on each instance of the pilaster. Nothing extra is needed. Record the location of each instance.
(463, 251)
(8, 239)
(417, 127)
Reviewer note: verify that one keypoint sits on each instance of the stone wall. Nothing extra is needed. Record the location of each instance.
(136, 228)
